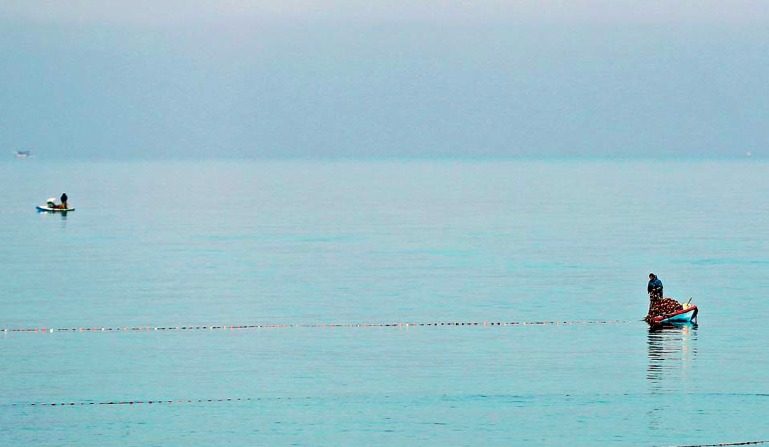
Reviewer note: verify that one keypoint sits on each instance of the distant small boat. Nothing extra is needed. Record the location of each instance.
(683, 316)
(23, 154)
(51, 207)
(46, 209)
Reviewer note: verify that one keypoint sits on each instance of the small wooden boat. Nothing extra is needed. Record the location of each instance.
(48, 209)
(51, 207)
(686, 315)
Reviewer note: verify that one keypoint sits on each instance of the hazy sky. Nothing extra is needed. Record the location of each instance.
(274, 78)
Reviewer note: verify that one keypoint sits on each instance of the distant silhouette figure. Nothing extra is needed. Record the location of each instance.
(64, 200)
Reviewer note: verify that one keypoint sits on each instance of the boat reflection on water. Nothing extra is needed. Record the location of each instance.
(61, 214)
(672, 351)
(672, 354)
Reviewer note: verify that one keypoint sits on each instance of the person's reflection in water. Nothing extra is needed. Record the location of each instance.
(672, 351)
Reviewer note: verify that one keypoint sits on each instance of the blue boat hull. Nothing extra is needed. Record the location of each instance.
(688, 315)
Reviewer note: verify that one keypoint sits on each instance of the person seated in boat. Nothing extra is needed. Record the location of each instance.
(654, 288)
(64, 200)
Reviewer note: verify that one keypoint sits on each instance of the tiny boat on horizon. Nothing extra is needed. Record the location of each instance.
(51, 207)
(53, 210)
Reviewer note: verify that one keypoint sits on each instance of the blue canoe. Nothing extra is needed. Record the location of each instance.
(688, 315)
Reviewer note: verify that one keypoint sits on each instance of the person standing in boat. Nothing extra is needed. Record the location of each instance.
(64, 200)
(654, 288)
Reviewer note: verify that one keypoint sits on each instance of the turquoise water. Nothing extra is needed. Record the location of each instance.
(310, 244)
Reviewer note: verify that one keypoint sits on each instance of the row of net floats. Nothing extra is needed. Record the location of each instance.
(316, 325)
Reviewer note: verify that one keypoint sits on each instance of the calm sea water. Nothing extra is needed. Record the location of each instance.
(304, 243)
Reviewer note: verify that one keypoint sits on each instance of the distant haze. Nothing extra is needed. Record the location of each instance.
(153, 79)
